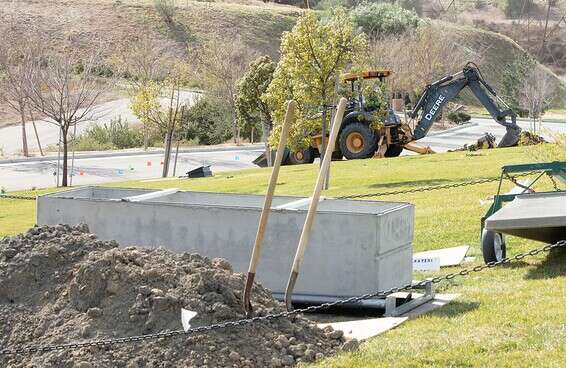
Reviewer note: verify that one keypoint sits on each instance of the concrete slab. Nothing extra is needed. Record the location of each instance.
(363, 329)
(440, 300)
(448, 256)
(537, 216)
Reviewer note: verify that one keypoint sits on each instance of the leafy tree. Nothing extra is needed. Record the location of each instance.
(313, 54)
(164, 115)
(208, 120)
(513, 79)
(383, 18)
(250, 108)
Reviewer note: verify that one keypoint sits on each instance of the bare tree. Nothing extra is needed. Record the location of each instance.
(420, 57)
(220, 65)
(146, 59)
(538, 91)
(16, 63)
(65, 90)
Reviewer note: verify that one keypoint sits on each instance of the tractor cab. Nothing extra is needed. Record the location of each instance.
(356, 79)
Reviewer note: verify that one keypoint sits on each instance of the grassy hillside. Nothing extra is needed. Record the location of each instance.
(511, 316)
(112, 24)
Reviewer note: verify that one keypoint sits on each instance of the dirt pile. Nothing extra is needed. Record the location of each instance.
(61, 284)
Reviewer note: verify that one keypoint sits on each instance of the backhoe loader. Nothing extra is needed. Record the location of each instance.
(359, 139)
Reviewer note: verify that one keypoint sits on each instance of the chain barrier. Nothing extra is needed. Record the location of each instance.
(13, 196)
(438, 187)
(247, 321)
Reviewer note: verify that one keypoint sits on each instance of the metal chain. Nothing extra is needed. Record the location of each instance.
(13, 196)
(270, 317)
(377, 194)
(438, 187)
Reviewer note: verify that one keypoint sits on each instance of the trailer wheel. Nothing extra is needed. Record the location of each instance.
(394, 150)
(358, 140)
(493, 246)
(305, 156)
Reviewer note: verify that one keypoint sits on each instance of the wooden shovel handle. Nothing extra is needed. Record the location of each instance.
(256, 252)
(305, 234)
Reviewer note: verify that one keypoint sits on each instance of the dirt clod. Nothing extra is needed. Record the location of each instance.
(61, 285)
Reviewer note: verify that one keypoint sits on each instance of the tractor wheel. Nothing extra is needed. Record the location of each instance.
(337, 154)
(393, 150)
(358, 140)
(300, 157)
(493, 246)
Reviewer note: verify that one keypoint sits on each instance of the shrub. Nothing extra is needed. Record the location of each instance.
(459, 117)
(208, 120)
(384, 18)
(115, 135)
(413, 5)
(166, 10)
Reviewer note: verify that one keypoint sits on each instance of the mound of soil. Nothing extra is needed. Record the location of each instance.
(61, 284)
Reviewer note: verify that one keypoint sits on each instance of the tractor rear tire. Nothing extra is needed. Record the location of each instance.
(493, 246)
(305, 156)
(393, 150)
(358, 140)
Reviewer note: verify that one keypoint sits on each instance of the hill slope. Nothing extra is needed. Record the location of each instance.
(111, 25)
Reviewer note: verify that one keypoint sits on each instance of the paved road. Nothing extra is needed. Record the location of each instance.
(16, 176)
(456, 138)
(11, 137)
(40, 174)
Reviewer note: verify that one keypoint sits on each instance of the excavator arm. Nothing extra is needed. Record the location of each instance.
(439, 93)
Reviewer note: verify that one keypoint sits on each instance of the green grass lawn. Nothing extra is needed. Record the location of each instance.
(511, 316)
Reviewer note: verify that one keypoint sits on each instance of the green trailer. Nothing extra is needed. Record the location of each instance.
(533, 215)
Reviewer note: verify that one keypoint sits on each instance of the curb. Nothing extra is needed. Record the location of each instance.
(253, 147)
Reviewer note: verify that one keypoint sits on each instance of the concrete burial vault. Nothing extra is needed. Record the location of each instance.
(355, 246)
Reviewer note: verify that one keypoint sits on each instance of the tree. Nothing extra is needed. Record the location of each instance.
(164, 115)
(513, 79)
(313, 54)
(66, 98)
(146, 59)
(249, 106)
(208, 120)
(419, 57)
(16, 64)
(220, 64)
(537, 92)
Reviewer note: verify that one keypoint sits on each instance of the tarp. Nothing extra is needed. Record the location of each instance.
(537, 216)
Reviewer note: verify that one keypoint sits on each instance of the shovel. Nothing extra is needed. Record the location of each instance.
(303, 241)
(256, 252)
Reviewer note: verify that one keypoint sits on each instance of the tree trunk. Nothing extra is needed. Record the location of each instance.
(24, 136)
(65, 156)
(266, 130)
(168, 141)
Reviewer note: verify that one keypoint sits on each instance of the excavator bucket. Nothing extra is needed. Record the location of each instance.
(511, 138)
